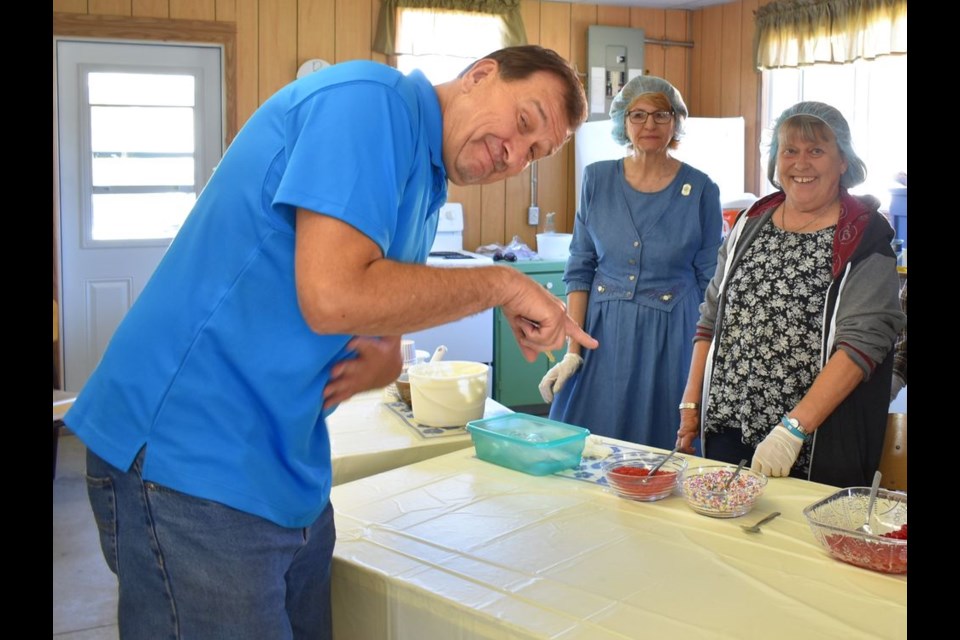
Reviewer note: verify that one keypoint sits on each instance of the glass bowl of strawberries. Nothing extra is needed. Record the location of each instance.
(628, 474)
(836, 520)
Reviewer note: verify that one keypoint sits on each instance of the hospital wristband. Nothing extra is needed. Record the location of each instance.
(793, 426)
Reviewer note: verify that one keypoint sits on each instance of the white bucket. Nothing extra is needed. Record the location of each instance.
(554, 246)
(448, 393)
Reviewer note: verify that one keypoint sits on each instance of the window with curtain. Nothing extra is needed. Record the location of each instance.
(794, 33)
(443, 43)
(850, 54)
(442, 37)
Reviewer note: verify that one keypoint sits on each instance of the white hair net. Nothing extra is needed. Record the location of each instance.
(856, 171)
(635, 88)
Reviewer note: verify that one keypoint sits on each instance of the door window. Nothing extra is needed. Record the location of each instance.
(142, 154)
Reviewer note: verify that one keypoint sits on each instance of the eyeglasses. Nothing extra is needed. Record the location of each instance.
(639, 116)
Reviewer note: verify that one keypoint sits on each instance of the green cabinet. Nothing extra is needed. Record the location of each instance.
(515, 380)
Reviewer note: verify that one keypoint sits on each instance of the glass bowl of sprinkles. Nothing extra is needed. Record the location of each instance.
(703, 489)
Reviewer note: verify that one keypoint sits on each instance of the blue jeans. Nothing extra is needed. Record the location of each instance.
(190, 568)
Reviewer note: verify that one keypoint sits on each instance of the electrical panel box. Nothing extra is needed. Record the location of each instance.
(614, 57)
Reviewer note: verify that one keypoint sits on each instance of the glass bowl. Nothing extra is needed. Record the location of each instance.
(627, 475)
(403, 388)
(835, 519)
(703, 489)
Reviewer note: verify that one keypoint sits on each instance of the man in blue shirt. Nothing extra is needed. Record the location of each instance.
(285, 293)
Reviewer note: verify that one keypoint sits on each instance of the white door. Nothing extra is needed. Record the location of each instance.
(140, 130)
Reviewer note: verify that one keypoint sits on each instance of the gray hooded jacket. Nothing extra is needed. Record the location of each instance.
(861, 316)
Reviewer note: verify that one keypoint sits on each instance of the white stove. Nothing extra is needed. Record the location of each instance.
(447, 249)
(469, 338)
(457, 259)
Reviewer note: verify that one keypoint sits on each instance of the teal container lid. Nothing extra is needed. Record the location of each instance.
(529, 430)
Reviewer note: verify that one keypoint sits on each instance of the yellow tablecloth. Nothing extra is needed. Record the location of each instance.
(62, 401)
(367, 438)
(455, 547)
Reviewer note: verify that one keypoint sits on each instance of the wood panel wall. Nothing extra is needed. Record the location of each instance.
(724, 81)
(274, 37)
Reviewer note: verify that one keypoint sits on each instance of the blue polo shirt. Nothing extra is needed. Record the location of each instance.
(214, 369)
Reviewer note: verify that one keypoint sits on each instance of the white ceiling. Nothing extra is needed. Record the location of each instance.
(653, 4)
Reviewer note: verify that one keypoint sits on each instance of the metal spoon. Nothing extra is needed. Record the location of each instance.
(660, 464)
(756, 528)
(552, 359)
(735, 474)
(865, 527)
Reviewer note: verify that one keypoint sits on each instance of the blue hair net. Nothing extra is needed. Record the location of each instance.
(636, 88)
(856, 171)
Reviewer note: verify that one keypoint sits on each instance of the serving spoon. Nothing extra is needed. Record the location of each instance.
(552, 359)
(865, 527)
(661, 463)
(735, 474)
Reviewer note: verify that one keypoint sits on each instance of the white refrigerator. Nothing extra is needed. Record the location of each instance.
(712, 145)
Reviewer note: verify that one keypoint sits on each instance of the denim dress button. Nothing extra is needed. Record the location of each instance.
(601, 288)
(666, 297)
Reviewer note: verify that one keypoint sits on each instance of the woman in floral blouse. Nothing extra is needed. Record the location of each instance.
(793, 357)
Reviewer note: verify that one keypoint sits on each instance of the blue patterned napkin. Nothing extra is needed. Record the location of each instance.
(595, 454)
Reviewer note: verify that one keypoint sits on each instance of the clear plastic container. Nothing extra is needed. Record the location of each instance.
(528, 443)
(554, 246)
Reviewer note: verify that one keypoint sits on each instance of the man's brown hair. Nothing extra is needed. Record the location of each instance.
(522, 61)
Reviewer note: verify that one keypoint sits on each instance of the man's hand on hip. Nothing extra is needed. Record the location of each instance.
(378, 363)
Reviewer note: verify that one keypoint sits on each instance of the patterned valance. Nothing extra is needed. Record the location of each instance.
(795, 33)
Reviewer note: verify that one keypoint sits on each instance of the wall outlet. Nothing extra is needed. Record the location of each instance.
(533, 215)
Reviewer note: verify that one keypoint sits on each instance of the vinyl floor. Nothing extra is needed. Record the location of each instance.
(84, 589)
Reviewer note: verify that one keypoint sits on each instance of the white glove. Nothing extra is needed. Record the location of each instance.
(776, 454)
(558, 376)
(895, 386)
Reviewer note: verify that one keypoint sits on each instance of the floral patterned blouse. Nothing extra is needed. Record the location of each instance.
(769, 350)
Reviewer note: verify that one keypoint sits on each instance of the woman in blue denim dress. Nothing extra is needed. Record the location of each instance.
(644, 248)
